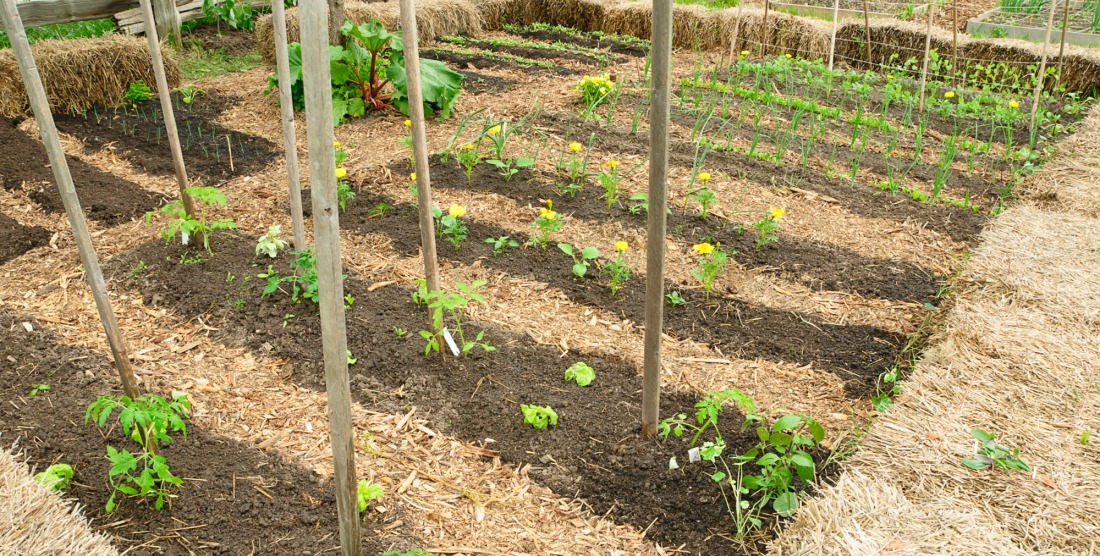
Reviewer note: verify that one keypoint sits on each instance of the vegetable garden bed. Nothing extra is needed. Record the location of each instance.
(1028, 21)
(843, 210)
(851, 9)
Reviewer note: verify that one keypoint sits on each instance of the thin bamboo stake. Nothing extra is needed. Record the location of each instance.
(166, 105)
(867, 32)
(927, 50)
(36, 94)
(1062, 46)
(658, 199)
(290, 141)
(737, 33)
(832, 37)
(420, 151)
(764, 39)
(326, 234)
(1042, 75)
(954, 40)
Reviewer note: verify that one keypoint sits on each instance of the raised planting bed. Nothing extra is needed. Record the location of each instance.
(19, 239)
(1030, 22)
(852, 9)
(236, 498)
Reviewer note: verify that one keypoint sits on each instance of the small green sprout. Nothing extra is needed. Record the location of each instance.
(580, 373)
(367, 492)
(55, 477)
(539, 417)
(38, 388)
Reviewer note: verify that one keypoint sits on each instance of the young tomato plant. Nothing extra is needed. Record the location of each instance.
(580, 264)
(303, 281)
(270, 243)
(187, 225)
(539, 416)
(453, 303)
(500, 244)
(147, 420)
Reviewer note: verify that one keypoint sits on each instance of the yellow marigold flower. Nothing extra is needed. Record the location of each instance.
(703, 248)
(468, 146)
(621, 246)
(612, 163)
(408, 123)
(744, 52)
(788, 56)
(336, 144)
(1013, 104)
(949, 94)
(412, 176)
(547, 214)
(704, 177)
(340, 173)
(457, 211)
(493, 130)
(575, 147)
(889, 77)
(777, 213)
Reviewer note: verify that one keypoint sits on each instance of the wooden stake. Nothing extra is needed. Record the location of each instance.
(867, 32)
(36, 94)
(927, 53)
(326, 233)
(166, 105)
(954, 40)
(1062, 46)
(420, 150)
(658, 199)
(832, 39)
(290, 141)
(764, 39)
(737, 34)
(167, 19)
(1042, 75)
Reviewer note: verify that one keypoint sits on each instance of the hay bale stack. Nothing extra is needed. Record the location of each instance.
(81, 73)
(692, 25)
(434, 18)
(495, 13)
(34, 520)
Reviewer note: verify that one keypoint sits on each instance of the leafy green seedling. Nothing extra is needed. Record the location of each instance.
(138, 92)
(367, 492)
(580, 264)
(270, 243)
(38, 388)
(55, 477)
(539, 417)
(351, 360)
(1085, 438)
(675, 299)
(187, 224)
(991, 454)
(580, 373)
(500, 244)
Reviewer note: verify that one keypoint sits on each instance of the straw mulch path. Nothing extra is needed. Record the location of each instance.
(47, 524)
(1016, 356)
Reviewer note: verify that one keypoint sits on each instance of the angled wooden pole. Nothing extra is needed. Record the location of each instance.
(326, 235)
(764, 40)
(286, 104)
(927, 54)
(1062, 46)
(867, 33)
(658, 199)
(166, 105)
(420, 148)
(832, 37)
(36, 93)
(1042, 76)
(954, 40)
(737, 33)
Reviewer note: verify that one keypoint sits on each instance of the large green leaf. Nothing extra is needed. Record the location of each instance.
(440, 86)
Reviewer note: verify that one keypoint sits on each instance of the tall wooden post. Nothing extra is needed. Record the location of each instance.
(832, 37)
(286, 104)
(1062, 46)
(736, 34)
(658, 199)
(326, 234)
(954, 40)
(927, 54)
(1042, 76)
(36, 94)
(167, 19)
(764, 39)
(166, 104)
(335, 21)
(420, 146)
(867, 33)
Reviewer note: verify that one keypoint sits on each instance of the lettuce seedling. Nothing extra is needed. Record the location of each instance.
(539, 417)
(580, 373)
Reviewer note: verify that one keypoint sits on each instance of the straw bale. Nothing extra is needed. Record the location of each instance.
(434, 18)
(1014, 357)
(35, 520)
(1070, 186)
(81, 73)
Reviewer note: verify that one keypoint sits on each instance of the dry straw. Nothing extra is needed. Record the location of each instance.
(1016, 356)
(46, 524)
(81, 73)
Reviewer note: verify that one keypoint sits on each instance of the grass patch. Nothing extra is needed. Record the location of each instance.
(75, 30)
(197, 63)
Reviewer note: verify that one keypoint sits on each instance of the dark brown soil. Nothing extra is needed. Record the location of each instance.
(222, 507)
(138, 133)
(594, 452)
(19, 239)
(550, 36)
(231, 41)
(476, 83)
(817, 265)
(104, 197)
(541, 54)
(457, 61)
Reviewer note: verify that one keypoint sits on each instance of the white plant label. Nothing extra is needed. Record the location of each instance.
(186, 239)
(450, 342)
(672, 463)
(693, 456)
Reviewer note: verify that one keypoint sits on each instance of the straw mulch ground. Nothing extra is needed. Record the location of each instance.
(81, 73)
(1016, 356)
(46, 524)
